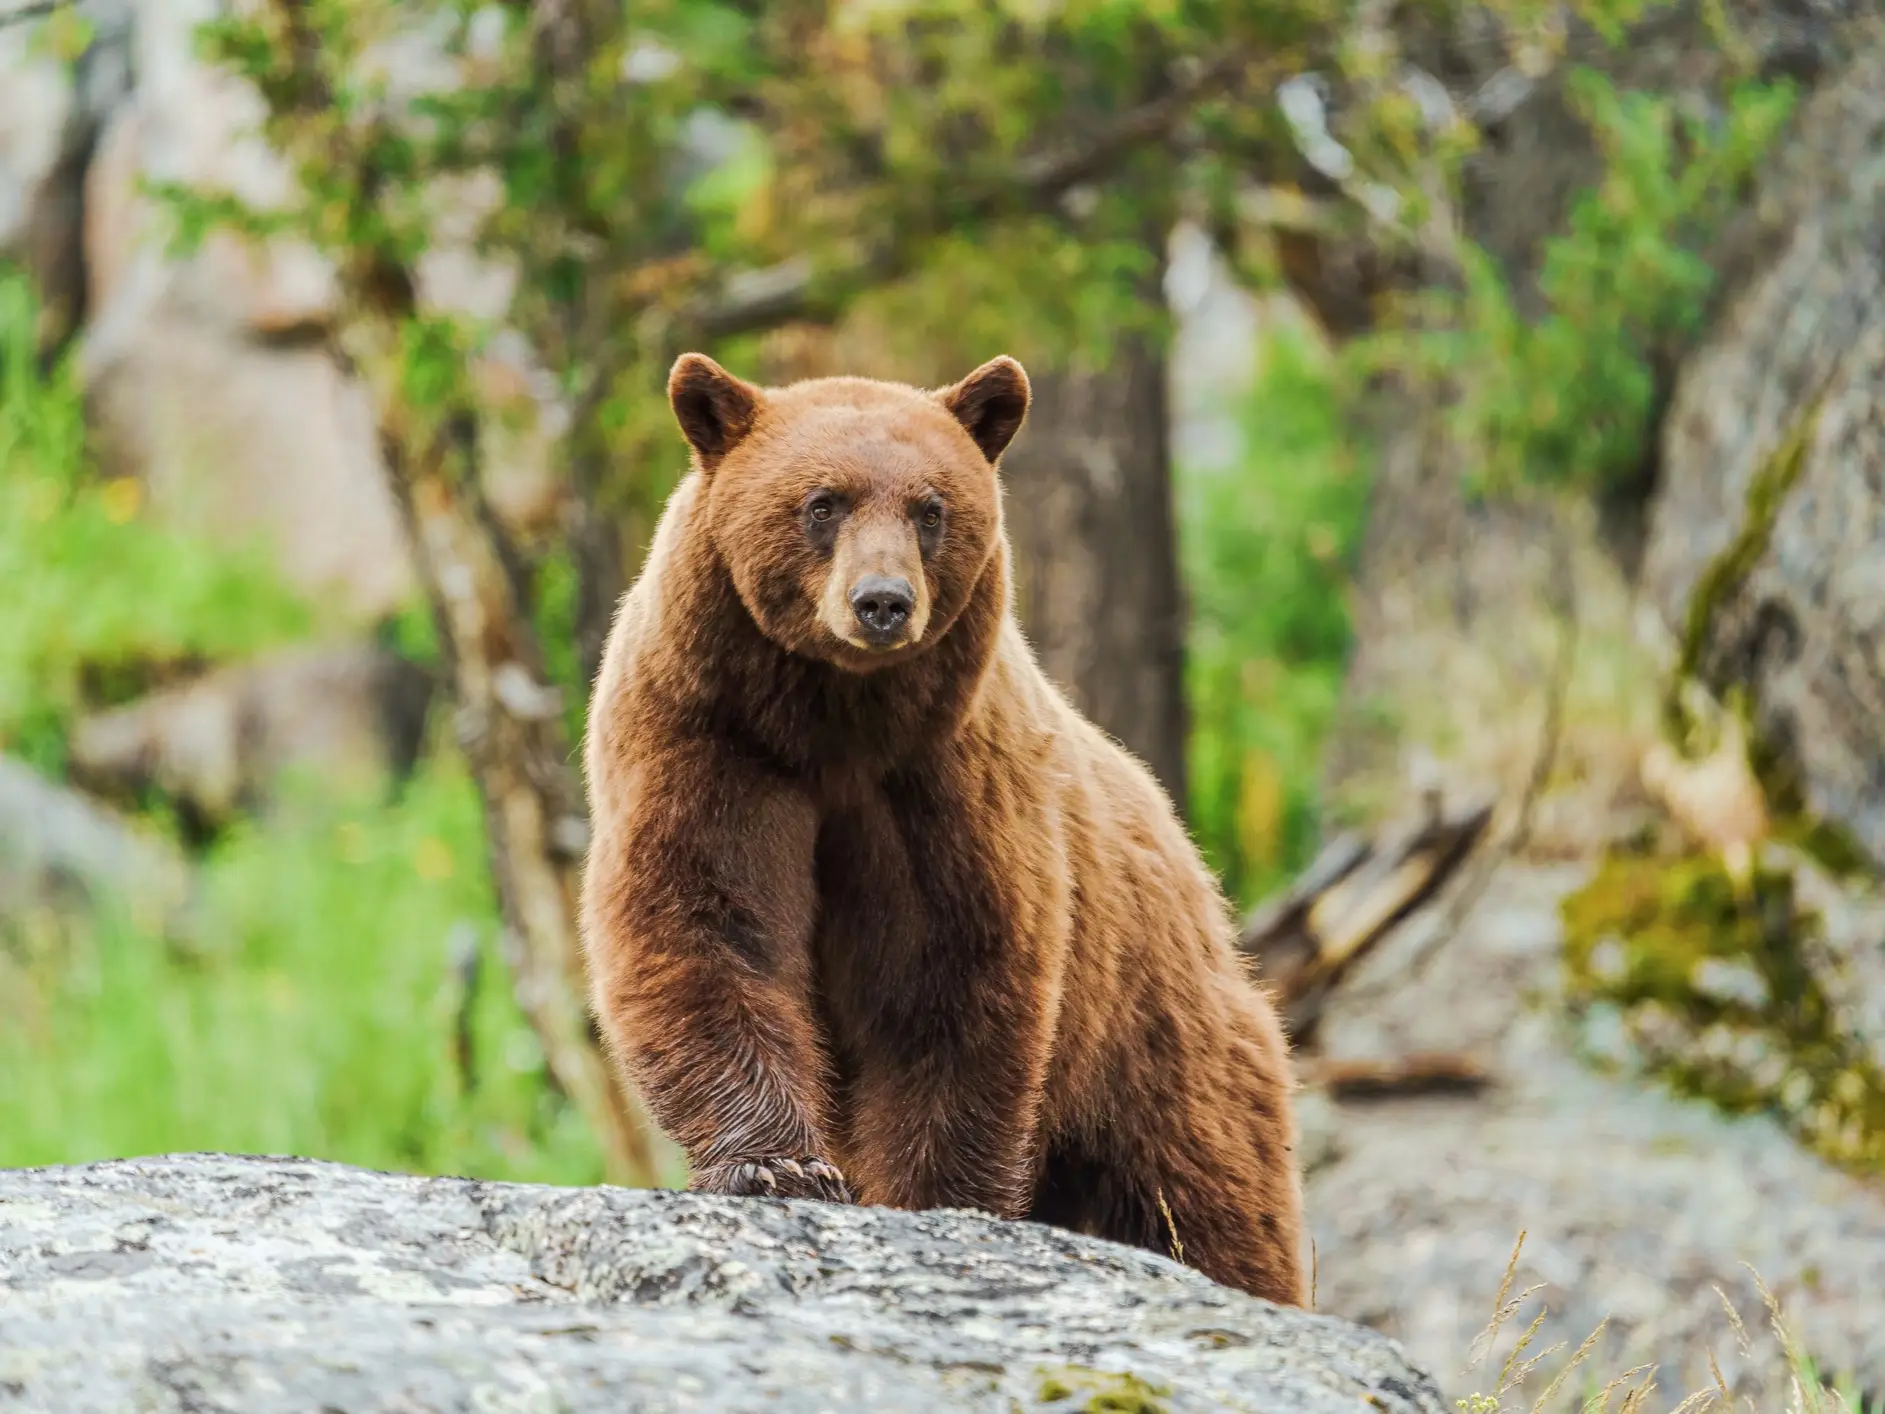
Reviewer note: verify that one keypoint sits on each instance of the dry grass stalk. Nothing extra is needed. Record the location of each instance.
(1807, 1392)
(1178, 1247)
(1513, 1373)
(1578, 1358)
(1503, 1309)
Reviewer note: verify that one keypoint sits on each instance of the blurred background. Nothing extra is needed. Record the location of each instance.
(1455, 469)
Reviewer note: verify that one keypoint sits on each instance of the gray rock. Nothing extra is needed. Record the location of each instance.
(202, 1282)
(1455, 607)
(1775, 556)
(344, 710)
(58, 847)
(50, 115)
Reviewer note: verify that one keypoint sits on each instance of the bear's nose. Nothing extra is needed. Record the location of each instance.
(882, 605)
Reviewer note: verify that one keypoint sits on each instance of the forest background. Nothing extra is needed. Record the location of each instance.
(332, 351)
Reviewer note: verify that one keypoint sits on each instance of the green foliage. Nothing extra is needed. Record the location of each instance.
(1566, 397)
(322, 1016)
(64, 35)
(872, 143)
(98, 599)
(1029, 287)
(1266, 545)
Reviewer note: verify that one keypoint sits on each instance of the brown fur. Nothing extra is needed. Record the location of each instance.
(901, 910)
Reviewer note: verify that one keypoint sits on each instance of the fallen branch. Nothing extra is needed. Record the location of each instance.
(1348, 901)
(1407, 1077)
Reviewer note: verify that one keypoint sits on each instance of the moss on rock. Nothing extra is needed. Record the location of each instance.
(1713, 988)
(1719, 989)
(1105, 1393)
(1767, 492)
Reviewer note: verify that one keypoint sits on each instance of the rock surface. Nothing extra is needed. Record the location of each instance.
(221, 743)
(206, 375)
(207, 1283)
(1636, 1205)
(1768, 542)
(58, 847)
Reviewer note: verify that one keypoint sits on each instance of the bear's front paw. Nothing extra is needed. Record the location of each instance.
(774, 1178)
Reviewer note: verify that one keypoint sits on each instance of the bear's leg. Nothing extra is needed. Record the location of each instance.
(945, 1112)
(943, 996)
(698, 911)
(1196, 1162)
(1095, 1196)
(1213, 1157)
(1206, 1205)
(1235, 1221)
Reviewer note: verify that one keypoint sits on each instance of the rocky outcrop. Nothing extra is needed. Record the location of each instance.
(1761, 568)
(1767, 547)
(59, 848)
(1460, 599)
(208, 1283)
(221, 744)
(206, 375)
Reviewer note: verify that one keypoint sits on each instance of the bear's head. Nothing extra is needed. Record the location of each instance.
(855, 517)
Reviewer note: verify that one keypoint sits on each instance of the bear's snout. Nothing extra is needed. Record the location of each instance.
(882, 606)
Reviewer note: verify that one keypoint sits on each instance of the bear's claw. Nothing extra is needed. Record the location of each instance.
(774, 1178)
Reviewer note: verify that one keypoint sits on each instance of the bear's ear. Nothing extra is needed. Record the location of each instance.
(714, 408)
(991, 404)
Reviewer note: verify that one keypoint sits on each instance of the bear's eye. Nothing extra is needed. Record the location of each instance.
(931, 515)
(820, 509)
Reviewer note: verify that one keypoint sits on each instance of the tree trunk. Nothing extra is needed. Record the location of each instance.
(511, 731)
(1089, 511)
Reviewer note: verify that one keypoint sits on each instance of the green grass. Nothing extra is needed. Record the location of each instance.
(318, 1018)
(1266, 546)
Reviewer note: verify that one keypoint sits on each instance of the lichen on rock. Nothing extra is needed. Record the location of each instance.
(1726, 991)
(206, 1283)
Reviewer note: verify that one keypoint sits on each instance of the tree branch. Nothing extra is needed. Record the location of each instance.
(756, 300)
(35, 10)
(1349, 901)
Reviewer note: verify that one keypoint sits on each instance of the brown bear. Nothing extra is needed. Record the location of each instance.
(871, 912)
